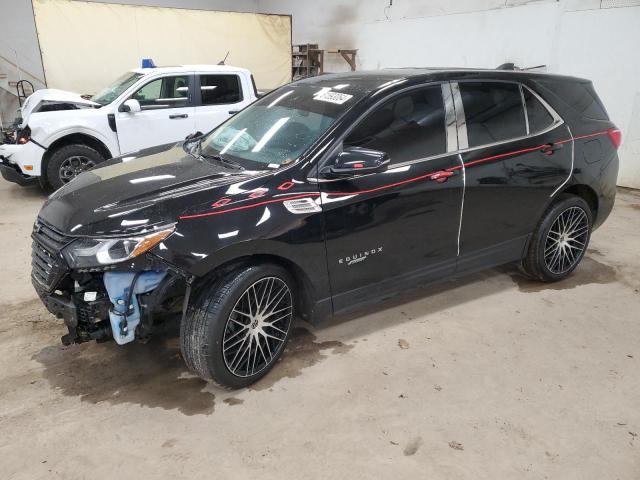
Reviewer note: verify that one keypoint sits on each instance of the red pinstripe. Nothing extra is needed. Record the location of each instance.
(391, 185)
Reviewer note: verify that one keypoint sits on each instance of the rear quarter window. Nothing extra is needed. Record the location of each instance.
(538, 115)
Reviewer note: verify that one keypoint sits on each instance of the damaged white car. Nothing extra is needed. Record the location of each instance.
(59, 134)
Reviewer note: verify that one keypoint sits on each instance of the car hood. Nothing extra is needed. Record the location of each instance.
(138, 191)
(52, 96)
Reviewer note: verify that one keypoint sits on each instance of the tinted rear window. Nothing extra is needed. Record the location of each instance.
(494, 112)
(220, 89)
(580, 96)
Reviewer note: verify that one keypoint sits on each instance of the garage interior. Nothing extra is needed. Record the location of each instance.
(487, 376)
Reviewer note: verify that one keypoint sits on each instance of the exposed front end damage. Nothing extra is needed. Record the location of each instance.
(124, 302)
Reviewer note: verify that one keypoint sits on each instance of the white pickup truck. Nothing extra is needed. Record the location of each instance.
(60, 133)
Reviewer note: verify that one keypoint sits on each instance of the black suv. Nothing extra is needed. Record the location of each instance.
(325, 195)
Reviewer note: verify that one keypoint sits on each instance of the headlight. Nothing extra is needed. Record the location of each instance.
(91, 252)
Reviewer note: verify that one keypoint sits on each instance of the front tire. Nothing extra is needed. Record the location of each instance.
(560, 240)
(239, 325)
(69, 161)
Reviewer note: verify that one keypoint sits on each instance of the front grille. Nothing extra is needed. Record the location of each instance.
(47, 264)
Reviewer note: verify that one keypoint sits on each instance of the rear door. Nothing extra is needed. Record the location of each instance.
(218, 96)
(517, 153)
(388, 231)
(167, 114)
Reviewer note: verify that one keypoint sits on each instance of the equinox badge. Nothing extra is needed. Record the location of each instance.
(359, 257)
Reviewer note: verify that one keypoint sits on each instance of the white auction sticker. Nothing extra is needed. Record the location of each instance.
(333, 97)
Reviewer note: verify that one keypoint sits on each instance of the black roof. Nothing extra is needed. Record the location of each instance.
(373, 80)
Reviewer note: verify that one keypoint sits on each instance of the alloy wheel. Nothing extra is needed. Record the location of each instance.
(73, 166)
(566, 240)
(257, 327)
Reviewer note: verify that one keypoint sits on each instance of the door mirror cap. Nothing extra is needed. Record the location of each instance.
(132, 106)
(357, 161)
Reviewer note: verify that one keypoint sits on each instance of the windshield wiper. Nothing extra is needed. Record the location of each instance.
(194, 147)
(221, 159)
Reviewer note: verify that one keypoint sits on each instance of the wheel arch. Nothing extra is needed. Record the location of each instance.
(304, 287)
(585, 192)
(71, 139)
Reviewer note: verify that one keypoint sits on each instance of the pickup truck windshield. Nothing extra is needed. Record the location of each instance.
(113, 91)
(278, 128)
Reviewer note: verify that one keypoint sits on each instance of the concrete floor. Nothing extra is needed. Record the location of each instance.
(488, 377)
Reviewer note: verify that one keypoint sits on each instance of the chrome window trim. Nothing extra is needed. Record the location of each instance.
(449, 118)
(461, 125)
(524, 106)
(557, 119)
(516, 139)
(425, 159)
(461, 120)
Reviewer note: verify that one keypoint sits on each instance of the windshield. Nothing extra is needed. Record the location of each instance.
(113, 91)
(278, 128)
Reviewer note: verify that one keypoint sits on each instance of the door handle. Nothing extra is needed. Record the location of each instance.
(178, 115)
(550, 148)
(233, 112)
(441, 176)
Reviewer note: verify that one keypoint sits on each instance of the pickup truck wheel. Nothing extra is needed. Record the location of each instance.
(560, 241)
(70, 161)
(239, 325)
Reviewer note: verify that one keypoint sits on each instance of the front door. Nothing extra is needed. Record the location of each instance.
(390, 231)
(167, 114)
(519, 154)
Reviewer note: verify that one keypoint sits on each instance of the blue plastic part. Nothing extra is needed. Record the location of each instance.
(118, 285)
(148, 63)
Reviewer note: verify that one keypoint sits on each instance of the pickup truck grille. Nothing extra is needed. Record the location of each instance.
(47, 264)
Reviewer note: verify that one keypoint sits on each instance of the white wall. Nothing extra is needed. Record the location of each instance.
(222, 5)
(575, 37)
(17, 39)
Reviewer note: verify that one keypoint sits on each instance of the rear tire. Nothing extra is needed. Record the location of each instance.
(69, 161)
(560, 240)
(239, 325)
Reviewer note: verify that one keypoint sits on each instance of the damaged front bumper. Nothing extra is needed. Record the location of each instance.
(103, 303)
(85, 321)
(21, 163)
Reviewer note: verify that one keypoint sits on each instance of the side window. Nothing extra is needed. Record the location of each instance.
(580, 96)
(220, 89)
(166, 92)
(493, 111)
(409, 127)
(539, 116)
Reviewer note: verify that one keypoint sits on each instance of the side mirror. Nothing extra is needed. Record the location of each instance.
(356, 161)
(132, 106)
(190, 143)
(193, 136)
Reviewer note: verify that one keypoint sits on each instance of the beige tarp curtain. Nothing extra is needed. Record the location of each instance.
(86, 45)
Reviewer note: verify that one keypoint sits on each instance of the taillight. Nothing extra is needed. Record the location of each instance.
(615, 136)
